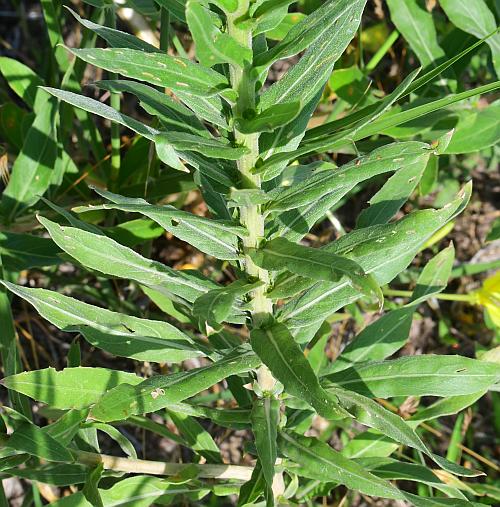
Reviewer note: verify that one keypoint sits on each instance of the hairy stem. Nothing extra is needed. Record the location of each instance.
(141, 466)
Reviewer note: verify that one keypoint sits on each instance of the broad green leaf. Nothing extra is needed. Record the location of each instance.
(285, 25)
(158, 69)
(117, 333)
(382, 250)
(335, 183)
(477, 19)
(172, 114)
(69, 388)
(317, 460)
(269, 119)
(417, 27)
(33, 168)
(115, 38)
(303, 81)
(315, 263)
(105, 255)
(476, 130)
(396, 191)
(445, 406)
(265, 419)
(328, 19)
(160, 391)
(24, 251)
(427, 375)
(282, 355)
(213, 237)
(252, 489)
(196, 436)
(373, 415)
(100, 109)
(23, 81)
(211, 45)
(30, 439)
(213, 148)
(230, 418)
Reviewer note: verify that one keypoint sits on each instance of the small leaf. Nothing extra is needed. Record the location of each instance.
(269, 119)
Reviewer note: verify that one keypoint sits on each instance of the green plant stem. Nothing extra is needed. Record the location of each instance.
(140, 466)
(467, 298)
(164, 29)
(454, 452)
(377, 57)
(115, 104)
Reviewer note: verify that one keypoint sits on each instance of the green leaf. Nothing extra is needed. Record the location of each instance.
(323, 20)
(317, 460)
(269, 119)
(238, 418)
(69, 388)
(158, 69)
(23, 81)
(265, 419)
(336, 183)
(33, 168)
(417, 27)
(67, 426)
(105, 255)
(24, 251)
(89, 490)
(28, 438)
(315, 263)
(115, 38)
(428, 375)
(211, 45)
(213, 148)
(373, 415)
(160, 391)
(309, 75)
(382, 250)
(65, 474)
(100, 109)
(395, 192)
(196, 436)
(477, 19)
(281, 354)
(117, 333)
(176, 7)
(476, 130)
(172, 114)
(214, 237)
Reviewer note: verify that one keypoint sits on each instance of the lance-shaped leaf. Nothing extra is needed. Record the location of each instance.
(337, 183)
(265, 418)
(213, 237)
(23, 81)
(105, 255)
(67, 426)
(158, 69)
(373, 415)
(160, 391)
(213, 46)
(171, 113)
(303, 80)
(213, 148)
(317, 460)
(115, 38)
(100, 109)
(427, 375)
(69, 388)
(66, 474)
(281, 354)
(117, 333)
(238, 418)
(30, 439)
(323, 21)
(383, 250)
(269, 119)
(315, 263)
(176, 7)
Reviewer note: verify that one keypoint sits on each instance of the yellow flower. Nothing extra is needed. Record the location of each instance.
(488, 296)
